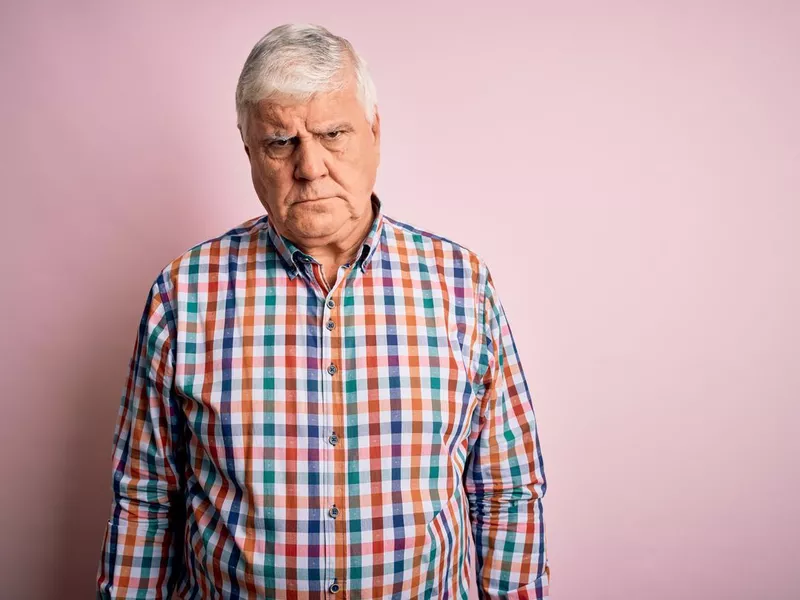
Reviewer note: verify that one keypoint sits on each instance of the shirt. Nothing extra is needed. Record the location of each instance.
(279, 439)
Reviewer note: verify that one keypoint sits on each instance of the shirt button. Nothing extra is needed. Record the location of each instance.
(333, 439)
(330, 324)
(333, 512)
(334, 588)
(330, 303)
(332, 369)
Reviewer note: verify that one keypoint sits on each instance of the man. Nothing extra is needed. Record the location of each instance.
(323, 401)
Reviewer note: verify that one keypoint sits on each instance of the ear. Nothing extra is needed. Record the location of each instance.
(376, 136)
(241, 135)
(376, 127)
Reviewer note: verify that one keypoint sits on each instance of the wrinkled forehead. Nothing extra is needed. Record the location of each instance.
(311, 111)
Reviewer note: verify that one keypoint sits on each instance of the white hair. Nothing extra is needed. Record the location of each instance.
(297, 62)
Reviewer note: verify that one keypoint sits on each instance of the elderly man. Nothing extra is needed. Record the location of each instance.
(323, 401)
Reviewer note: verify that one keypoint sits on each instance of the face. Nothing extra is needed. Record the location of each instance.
(314, 165)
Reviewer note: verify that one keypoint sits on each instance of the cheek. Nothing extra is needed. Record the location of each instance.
(271, 176)
(360, 163)
(353, 159)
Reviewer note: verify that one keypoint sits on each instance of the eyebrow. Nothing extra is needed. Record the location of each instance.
(277, 137)
(280, 134)
(340, 125)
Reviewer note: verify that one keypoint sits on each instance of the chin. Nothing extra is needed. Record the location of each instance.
(317, 226)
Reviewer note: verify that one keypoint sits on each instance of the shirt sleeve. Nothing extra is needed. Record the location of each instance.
(505, 479)
(139, 557)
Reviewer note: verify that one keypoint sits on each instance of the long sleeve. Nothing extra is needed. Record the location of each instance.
(505, 479)
(139, 557)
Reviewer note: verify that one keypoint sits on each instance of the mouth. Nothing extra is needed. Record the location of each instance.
(305, 200)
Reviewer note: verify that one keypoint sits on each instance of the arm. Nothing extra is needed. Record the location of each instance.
(139, 556)
(505, 480)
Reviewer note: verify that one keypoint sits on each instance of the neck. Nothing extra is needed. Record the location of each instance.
(334, 254)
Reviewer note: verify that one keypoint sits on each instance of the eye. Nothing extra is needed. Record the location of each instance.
(332, 135)
(280, 146)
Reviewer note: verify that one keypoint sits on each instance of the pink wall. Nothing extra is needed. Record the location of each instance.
(631, 174)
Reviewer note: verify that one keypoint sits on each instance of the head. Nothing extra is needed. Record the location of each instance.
(308, 118)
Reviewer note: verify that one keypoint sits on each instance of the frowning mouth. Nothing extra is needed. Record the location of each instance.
(304, 200)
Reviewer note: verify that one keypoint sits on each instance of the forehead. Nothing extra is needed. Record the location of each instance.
(322, 108)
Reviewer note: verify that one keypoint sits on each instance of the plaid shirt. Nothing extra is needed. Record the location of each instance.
(279, 439)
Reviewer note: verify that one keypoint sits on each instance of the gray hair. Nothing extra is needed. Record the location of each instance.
(297, 62)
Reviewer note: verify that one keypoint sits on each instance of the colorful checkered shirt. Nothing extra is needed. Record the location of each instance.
(279, 439)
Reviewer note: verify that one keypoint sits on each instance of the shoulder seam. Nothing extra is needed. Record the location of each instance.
(429, 234)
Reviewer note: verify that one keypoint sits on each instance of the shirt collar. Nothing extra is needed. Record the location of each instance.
(291, 255)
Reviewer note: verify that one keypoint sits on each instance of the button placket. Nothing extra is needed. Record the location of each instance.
(332, 341)
(328, 489)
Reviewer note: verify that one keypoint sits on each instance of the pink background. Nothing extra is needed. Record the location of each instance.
(631, 174)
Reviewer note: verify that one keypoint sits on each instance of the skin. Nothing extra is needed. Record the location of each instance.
(314, 166)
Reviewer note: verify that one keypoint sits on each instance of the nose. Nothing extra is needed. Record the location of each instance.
(310, 162)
